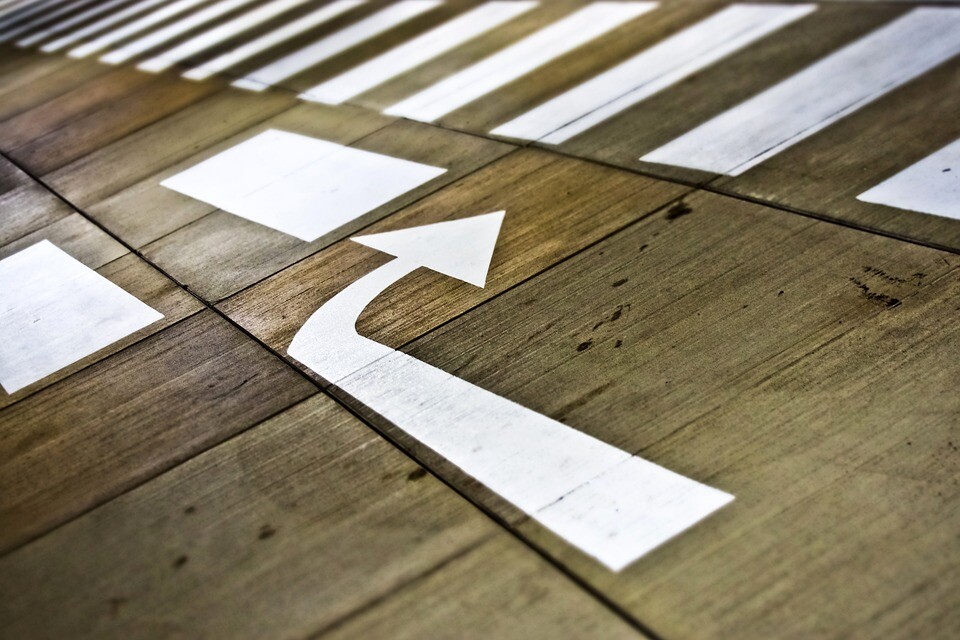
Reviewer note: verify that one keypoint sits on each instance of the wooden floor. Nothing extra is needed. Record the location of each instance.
(765, 333)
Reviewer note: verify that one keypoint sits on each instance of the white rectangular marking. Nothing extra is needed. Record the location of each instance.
(171, 31)
(517, 60)
(99, 25)
(818, 96)
(334, 44)
(299, 185)
(426, 47)
(929, 186)
(217, 35)
(63, 25)
(132, 28)
(55, 311)
(272, 39)
(650, 72)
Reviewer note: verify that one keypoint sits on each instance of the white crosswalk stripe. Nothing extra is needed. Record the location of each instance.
(302, 59)
(59, 27)
(156, 38)
(650, 72)
(100, 25)
(133, 28)
(818, 96)
(219, 34)
(517, 60)
(426, 47)
(269, 40)
(929, 186)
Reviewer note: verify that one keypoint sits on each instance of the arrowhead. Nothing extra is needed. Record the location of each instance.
(458, 248)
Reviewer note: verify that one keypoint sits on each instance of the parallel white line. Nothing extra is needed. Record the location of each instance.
(272, 39)
(517, 60)
(334, 44)
(411, 54)
(99, 25)
(172, 30)
(26, 11)
(818, 96)
(19, 28)
(215, 36)
(133, 28)
(929, 186)
(650, 72)
(64, 25)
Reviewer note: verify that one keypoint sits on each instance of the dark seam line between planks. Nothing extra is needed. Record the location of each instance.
(409, 582)
(706, 186)
(580, 582)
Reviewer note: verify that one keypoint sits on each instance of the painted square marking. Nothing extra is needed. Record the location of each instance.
(299, 185)
(54, 311)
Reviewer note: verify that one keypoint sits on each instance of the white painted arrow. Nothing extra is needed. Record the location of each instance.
(612, 505)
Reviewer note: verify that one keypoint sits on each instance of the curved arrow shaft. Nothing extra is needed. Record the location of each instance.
(612, 505)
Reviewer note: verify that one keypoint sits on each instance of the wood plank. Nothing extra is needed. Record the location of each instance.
(539, 231)
(28, 208)
(458, 59)
(162, 97)
(793, 363)
(472, 598)
(220, 254)
(59, 112)
(648, 125)
(146, 211)
(117, 165)
(86, 243)
(825, 173)
(303, 522)
(39, 79)
(111, 426)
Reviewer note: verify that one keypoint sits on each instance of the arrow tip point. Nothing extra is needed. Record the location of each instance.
(461, 248)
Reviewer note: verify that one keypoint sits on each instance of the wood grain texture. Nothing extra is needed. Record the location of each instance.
(463, 56)
(825, 173)
(29, 80)
(303, 522)
(86, 439)
(624, 138)
(555, 207)
(119, 164)
(60, 111)
(27, 208)
(220, 254)
(473, 597)
(161, 97)
(784, 360)
(145, 211)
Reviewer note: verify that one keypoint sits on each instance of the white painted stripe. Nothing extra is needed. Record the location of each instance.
(57, 311)
(419, 50)
(299, 185)
(133, 28)
(612, 505)
(59, 27)
(818, 96)
(272, 39)
(99, 25)
(20, 28)
(929, 186)
(518, 59)
(334, 44)
(172, 30)
(219, 34)
(651, 71)
(26, 11)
